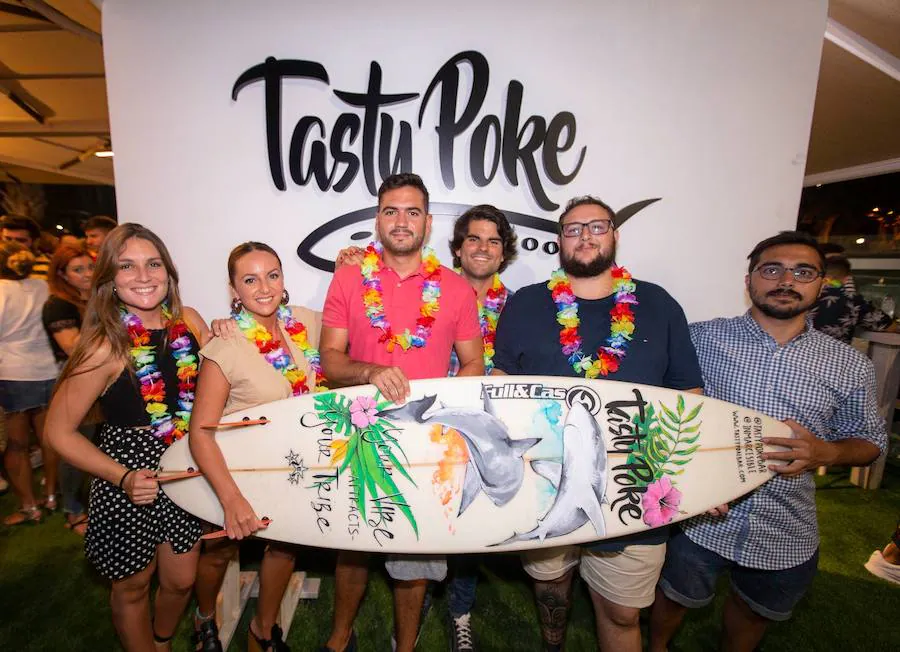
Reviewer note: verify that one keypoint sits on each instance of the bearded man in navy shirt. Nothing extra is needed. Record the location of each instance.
(622, 573)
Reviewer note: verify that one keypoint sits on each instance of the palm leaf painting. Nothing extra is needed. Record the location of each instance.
(667, 438)
(369, 453)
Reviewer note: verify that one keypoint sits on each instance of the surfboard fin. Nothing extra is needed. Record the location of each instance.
(551, 471)
(520, 446)
(471, 487)
(412, 411)
(594, 513)
(488, 404)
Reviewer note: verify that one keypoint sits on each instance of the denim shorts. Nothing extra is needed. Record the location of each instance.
(21, 395)
(690, 572)
(416, 567)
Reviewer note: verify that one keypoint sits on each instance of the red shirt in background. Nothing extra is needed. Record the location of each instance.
(455, 321)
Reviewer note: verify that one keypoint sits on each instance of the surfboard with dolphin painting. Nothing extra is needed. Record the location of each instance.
(480, 464)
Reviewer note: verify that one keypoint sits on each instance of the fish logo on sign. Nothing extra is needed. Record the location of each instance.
(320, 248)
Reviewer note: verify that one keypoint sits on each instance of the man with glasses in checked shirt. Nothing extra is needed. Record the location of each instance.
(772, 360)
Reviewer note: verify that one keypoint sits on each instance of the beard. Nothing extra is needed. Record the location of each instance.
(758, 299)
(412, 244)
(578, 269)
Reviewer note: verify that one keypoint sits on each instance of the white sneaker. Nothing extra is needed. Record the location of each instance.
(880, 567)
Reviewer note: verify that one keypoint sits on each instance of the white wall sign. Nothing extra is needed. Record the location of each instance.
(277, 121)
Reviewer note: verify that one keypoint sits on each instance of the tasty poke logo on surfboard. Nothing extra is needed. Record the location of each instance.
(534, 151)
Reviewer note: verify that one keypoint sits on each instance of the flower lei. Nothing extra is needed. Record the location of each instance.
(488, 314)
(277, 356)
(621, 324)
(153, 387)
(373, 299)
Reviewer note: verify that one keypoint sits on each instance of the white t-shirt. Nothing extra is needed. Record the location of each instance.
(25, 352)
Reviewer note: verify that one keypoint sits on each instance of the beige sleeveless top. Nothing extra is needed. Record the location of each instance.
(253, 380)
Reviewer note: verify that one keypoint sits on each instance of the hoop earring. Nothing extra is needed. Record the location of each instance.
(285, 298)
(236, 306)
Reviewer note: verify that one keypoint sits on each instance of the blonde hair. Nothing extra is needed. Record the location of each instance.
(102, 319)
(16, 261)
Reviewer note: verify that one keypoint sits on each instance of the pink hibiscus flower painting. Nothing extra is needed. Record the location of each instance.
(660, 502)
(362, 412)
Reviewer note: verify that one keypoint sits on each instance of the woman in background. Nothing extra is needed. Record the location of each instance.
(69, 277)
(27, 373)
(137, 354)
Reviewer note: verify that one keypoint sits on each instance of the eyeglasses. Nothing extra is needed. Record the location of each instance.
(801, 274)
(575, 229)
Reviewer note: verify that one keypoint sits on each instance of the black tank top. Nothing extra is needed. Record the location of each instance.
(122, 403)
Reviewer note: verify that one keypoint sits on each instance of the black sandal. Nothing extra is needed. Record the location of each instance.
(275, 644)
(206, 637)
(159, 640)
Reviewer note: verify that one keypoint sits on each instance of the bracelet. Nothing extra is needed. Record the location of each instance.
(124, 475)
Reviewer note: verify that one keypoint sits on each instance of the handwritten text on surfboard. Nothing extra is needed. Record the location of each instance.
(327, 156)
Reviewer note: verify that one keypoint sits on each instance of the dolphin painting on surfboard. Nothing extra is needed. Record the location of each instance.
(495, 465)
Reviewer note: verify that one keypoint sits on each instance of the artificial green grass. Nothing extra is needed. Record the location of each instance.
(51, 599)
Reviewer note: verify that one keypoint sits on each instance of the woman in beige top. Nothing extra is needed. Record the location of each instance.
(243, 371)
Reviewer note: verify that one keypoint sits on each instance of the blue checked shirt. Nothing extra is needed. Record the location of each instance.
(823, 384)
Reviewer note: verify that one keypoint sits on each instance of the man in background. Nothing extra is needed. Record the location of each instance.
(25, 231)
(840, 308)
(95, 231)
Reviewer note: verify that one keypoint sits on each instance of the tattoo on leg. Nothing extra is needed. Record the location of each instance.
(553, 610)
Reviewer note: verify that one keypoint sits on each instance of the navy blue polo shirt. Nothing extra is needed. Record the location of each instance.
(661, 352)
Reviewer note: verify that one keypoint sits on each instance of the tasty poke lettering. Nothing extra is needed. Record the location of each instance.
(328, 157)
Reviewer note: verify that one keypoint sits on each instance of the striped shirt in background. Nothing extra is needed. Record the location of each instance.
(40, 268)
(824, 385)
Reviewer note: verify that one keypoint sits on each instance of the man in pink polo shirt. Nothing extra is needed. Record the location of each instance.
(388, 353)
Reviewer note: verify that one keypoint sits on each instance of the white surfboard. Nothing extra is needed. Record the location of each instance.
(482, 464)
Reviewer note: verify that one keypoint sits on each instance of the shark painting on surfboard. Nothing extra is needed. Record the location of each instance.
(480, 464)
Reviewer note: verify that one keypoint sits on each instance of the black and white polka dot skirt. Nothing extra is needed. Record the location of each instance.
(122, 537)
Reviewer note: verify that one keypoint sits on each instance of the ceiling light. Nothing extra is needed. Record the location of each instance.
(59, 227)
(104, 153)
(818, 185)
(876, 209)
(860, 241)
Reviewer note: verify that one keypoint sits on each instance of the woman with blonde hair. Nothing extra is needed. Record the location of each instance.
(272, 356)
(69, 276)
(137, 353)
(27, 373)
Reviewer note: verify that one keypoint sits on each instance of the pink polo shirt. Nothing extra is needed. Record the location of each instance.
(455, 321)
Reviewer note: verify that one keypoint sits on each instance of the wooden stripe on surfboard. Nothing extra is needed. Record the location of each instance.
(184, 475)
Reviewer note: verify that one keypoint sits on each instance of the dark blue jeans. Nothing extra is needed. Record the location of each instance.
(463, 581)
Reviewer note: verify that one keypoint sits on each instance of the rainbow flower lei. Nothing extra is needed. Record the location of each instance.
(373, 299)
(488, 314)
(153, 386)
(277, 356)
(621, 324)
